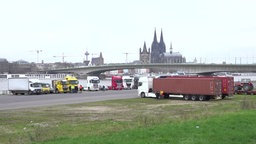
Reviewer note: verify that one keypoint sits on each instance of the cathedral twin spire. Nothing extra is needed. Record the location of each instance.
(157, 48)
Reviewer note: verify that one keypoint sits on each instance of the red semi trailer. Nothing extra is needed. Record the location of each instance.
(194, 88)
(227, 83)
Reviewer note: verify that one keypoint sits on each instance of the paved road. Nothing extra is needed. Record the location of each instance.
(27, 101)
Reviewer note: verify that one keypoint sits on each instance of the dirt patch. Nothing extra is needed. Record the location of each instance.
(95, 109)
(98, 109)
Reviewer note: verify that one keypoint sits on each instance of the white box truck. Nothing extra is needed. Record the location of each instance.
(23, 86)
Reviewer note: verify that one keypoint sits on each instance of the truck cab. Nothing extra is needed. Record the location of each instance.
(35, 88)
(60, 86)
(46, 88)
(92, 83)
(116, 83)
(145, 87)
(72, 83)
(127, 82)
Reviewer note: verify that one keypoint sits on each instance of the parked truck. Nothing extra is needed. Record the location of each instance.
(127, 82)
(227, 83)
(245, 86)
(72, 83)
(92, 83)
(23, 86)
(60, 86)
(189, 88)
(116, 83)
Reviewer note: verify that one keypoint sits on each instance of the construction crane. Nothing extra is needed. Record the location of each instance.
(63, 57)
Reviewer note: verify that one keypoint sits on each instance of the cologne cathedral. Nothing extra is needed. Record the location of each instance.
(158, 54)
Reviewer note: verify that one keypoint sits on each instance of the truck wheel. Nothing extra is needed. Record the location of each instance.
(201, 98)
(166, 96)
(30, 92)
(194, 98)
(207, 98)
(157, 96)
(142, 95)
(186, 97)
(247, 87)
(236, 88)
(223, 96)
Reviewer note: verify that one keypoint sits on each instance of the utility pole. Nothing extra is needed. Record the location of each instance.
(37, 54)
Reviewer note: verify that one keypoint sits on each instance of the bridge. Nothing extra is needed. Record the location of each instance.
(191, 68)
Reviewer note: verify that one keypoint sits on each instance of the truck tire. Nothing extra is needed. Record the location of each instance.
(166, 96)
(207, 98)
(142, 95)
(194, 97)
(247, 87)
(202, 98)
(29, 92)
(237, 87)
(157, 96)
(186, 97)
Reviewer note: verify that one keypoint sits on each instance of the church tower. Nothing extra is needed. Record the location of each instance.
(162, 47)
(155, 50)
(145, 54)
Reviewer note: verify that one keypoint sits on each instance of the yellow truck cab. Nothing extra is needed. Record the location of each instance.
(72, 83)
(46, 88)
(60, 86)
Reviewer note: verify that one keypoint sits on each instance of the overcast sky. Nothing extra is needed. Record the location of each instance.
(210, 30)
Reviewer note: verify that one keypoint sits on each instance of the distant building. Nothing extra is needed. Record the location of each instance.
(158, 53)
(173, 57)
(4, 65)
(98, 60)
(145, 54)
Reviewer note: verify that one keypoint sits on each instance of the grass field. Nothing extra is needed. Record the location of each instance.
(140, 121)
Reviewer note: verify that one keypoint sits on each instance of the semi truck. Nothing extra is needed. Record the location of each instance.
(92, 83)
(72, 83)
(227, 83)
(67, 85)
(116, 83)
(60, 86)
(23, 86)
(188, 88)
(127, 82)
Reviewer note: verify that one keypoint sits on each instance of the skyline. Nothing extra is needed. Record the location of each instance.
(204, 29)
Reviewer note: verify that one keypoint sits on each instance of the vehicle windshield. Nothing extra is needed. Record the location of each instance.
(73, 81)
(94, 81)
(128, 80)
(64, 82)
(245, 80)
(119, 81)
(36, 85)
